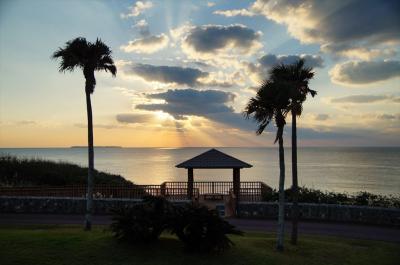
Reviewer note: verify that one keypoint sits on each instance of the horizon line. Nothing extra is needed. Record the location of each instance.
(182, 147)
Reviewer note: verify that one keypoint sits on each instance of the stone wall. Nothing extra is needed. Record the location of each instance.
(259, 210)
(62, 205)
(324, 212)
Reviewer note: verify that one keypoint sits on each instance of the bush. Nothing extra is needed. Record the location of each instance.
(32, 172)
(142, 223)
(201, 229)
(363, 198)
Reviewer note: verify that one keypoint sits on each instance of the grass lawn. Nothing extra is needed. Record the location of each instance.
(70, 245)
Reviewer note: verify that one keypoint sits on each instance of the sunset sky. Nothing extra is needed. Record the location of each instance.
(186, 69)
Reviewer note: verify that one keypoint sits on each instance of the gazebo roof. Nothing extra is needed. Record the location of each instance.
(213, 159)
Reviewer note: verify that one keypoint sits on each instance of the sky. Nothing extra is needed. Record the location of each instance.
(186, 70)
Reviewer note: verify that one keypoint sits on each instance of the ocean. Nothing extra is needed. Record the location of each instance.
(339, 169)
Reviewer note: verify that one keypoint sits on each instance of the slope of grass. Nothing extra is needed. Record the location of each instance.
(70, 245)
(33, 172)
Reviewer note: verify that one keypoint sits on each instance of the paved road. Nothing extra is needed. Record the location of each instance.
(330, 229)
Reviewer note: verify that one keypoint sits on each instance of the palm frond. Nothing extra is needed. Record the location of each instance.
(88, 56)
(72, 55)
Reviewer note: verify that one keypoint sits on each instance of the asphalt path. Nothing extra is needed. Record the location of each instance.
(390, 234)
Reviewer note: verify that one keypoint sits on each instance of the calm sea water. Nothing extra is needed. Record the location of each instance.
(342, 169)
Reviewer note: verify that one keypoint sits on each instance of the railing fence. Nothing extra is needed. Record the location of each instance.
(249, 191)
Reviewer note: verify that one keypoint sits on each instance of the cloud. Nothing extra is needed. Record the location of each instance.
(210, 104)
(361, 53)
(186, 102)
(149, 44)
(321, 117)
(359, 99)
(168, 74)
(388, 117)
(234, 13)
(364, 72)
(137, 9)
(180, 75)
(134, 118)
(210, 4)
(143, 27)
(269, 60)
(101, 126)
(213, 42)
(211, 38)
(26, 122)
(259, 71)
(358, 23)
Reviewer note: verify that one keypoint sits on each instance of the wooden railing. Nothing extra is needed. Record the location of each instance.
(251, 191)
(99, 191)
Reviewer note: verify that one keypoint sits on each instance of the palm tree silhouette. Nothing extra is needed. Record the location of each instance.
(270, 104)
(90, 57)
(295, 77)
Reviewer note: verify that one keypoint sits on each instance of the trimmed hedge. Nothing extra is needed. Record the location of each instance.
(361, 198)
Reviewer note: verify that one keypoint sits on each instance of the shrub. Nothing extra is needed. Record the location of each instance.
(142, 223)
(362, 198)
(32, 172)
(201, 229)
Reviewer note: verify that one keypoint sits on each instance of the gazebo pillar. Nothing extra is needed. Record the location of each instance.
(236, 187)
(190, 183)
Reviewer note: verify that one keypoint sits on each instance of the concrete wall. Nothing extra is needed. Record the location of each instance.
(61, 205)
(324, 212)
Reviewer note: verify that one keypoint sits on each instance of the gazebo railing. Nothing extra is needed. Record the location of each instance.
(221, 187)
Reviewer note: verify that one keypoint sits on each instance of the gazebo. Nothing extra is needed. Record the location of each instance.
(214, 159)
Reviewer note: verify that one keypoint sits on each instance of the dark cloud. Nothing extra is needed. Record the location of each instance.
(360, 19)
(342, 23)
(321, 117)
(388, 117)
(270, 60)
(365, 99)
(168, 74)
(147, 44)
(134, 118)
(176, 75)
(211, 38)
(259, 70)
(364, 72)
(190, 102)
(211, 104)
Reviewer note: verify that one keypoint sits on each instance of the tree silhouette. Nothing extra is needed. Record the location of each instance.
(271, 104)
(295, 78)
(89, 57)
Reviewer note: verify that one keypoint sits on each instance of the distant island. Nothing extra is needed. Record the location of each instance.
(106, 146)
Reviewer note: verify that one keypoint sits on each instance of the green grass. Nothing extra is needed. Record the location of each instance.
(70, 245)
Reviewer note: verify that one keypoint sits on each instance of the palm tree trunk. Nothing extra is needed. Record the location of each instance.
(295, 185)
(281, 211)
(89, 199)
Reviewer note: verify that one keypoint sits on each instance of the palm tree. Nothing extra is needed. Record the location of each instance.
(90, 57)
(296, 78)
(270, 104)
